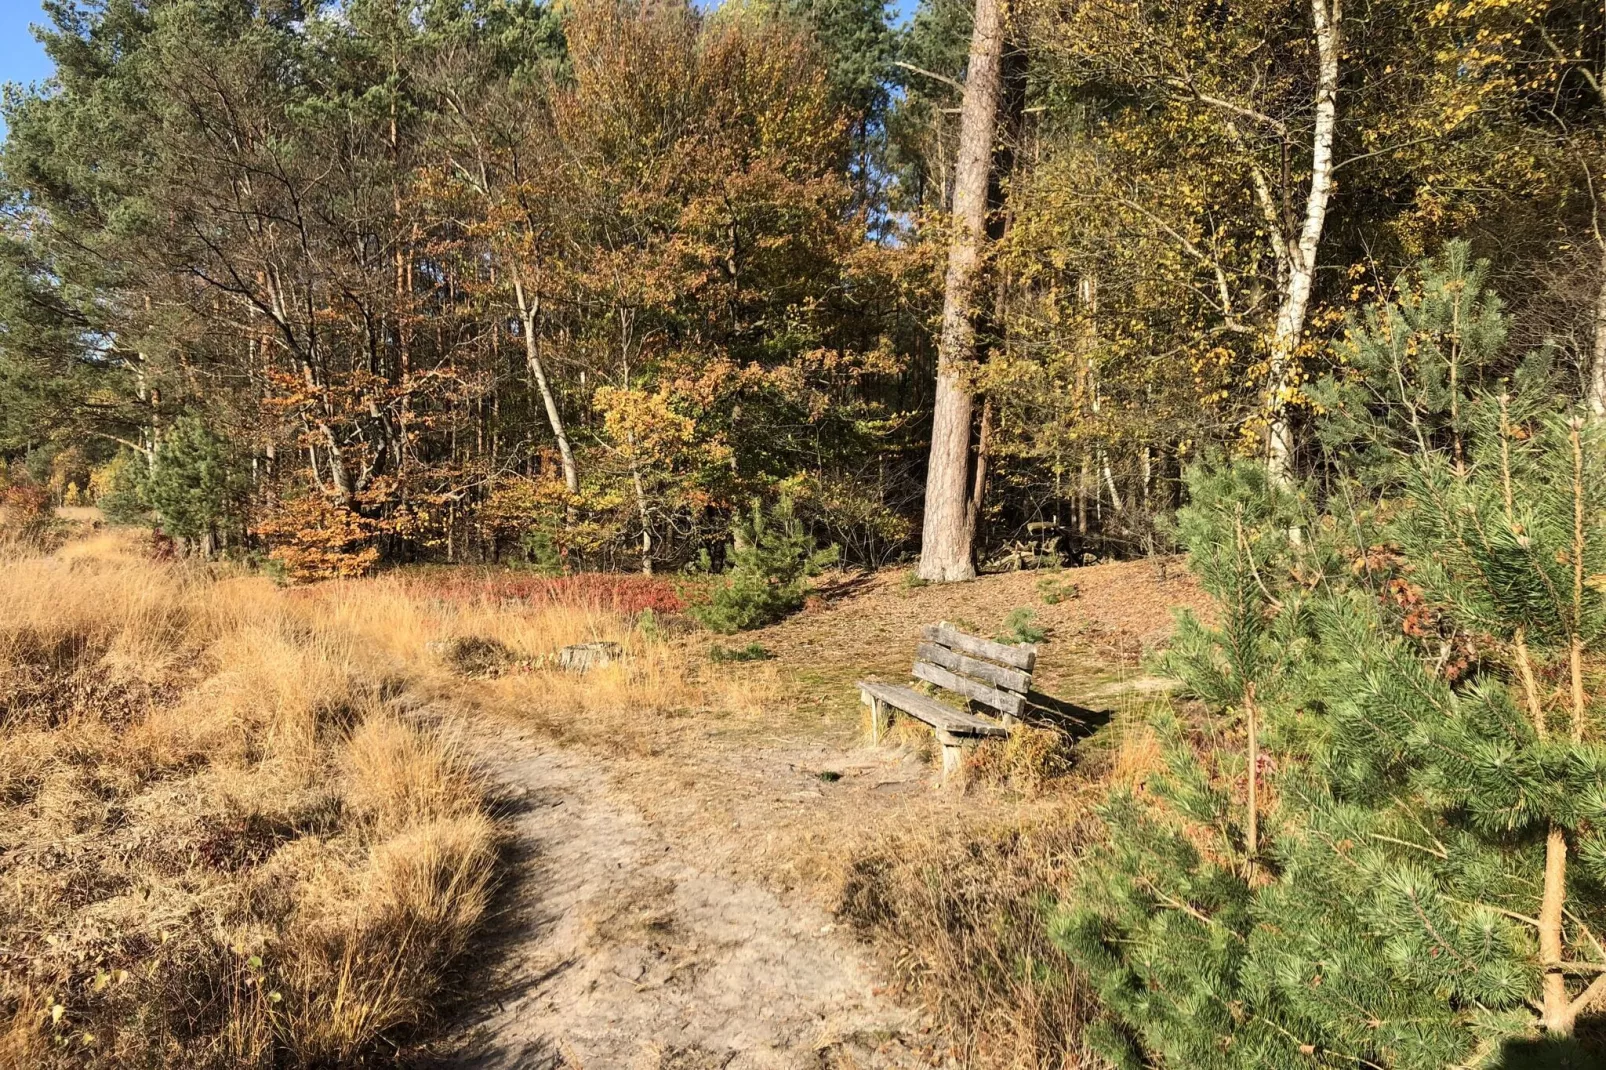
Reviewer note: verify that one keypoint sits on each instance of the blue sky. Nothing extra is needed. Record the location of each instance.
(21, 58)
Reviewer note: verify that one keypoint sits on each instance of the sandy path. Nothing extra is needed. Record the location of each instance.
(613, 948)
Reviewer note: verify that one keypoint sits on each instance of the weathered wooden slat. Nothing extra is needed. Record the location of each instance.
(1023, 656)
(985, 671)
(1002, 701)
(925, 708)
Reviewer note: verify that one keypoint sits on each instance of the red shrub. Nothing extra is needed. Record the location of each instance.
(621, 592)
(25, 511)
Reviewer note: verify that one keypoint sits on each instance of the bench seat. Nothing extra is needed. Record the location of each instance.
(938, 715)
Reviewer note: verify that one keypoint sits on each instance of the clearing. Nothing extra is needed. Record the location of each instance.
(708, 885)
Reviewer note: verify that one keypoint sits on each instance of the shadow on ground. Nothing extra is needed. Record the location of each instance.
(1077, 722)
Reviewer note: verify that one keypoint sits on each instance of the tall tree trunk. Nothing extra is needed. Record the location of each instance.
(532, 358)
(1595, 387)
(949, 529)
(1298, 258)
(641, 506)
(978, 486)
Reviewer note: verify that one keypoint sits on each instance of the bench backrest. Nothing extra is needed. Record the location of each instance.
(994, 674)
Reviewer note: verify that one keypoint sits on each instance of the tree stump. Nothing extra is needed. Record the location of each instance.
(582, 657)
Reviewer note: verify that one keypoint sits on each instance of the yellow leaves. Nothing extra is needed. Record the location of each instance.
(644, 423)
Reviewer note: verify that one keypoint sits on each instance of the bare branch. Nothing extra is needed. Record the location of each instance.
(943, 78)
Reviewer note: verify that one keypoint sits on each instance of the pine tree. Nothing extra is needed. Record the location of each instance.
(1430, 887)
(1405, 366)
(771, 558)
(193, 486)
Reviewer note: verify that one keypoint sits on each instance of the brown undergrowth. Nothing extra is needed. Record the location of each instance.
(951, 883)
(957, 906)
(222, 843)
(958, 914)
(224, 840)
(766, 766)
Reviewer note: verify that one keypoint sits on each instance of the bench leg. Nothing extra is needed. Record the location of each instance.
(953, 753)
(876, 714)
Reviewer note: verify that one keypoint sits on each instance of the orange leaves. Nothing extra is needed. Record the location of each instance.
(315, 539)
(1419, 619)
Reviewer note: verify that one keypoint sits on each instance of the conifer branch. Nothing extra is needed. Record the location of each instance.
(1177, 904)
(1505, 458)
(1576, 968)
(1440, 852)
(1588, 934)
(1587, 997)
(1479, 1055)
(933, 75)
(1530, 685)
(1434, 932)
(1512, 914)
(1243, 543)
(1253, 839)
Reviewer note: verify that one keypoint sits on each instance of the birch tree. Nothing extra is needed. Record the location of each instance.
(1249, 96)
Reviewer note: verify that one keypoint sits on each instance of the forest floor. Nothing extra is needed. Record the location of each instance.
(671, 862)
(687, 887)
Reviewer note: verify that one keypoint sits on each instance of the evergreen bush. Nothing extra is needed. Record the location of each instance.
(121, 483)
(772, 555)
(1380, 844)
(193, 485)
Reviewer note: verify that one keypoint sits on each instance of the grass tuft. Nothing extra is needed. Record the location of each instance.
(221, 842)
(961, 917)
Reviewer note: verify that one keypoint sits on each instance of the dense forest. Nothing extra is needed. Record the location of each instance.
(357, 283)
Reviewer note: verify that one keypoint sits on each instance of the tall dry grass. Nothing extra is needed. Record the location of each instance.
(659, 684)
(222, 841)
(960, 917)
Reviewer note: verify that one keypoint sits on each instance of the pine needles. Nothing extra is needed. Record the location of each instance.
(1377, 841)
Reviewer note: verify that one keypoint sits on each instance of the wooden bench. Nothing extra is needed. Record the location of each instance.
(994, 676)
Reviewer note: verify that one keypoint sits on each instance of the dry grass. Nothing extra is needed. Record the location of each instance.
(660, 684)
(1032, 760)
(221, 843)
(225, 842)
(959, 914)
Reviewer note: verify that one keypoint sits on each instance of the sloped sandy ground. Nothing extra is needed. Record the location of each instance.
(618, 948)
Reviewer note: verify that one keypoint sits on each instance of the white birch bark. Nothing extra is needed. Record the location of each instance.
(1299, 260)
(532, 359)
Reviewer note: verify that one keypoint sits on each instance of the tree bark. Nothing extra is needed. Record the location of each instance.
(949, 528)
(1556, 1015)
(1595, 386)
(642, 508)
(978, 486)
(532, 358)
(1299, 255)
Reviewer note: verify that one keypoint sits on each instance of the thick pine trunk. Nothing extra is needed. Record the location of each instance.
(1556, 1016)
(949, 528)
